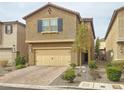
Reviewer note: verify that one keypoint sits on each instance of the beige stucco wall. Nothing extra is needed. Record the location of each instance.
(111, 41)
(69, 25)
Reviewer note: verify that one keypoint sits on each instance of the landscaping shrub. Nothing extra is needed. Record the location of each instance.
(113, 73)
(92, 65)
(69, 75)
(73, 65)
(20, 60)
(20, 66)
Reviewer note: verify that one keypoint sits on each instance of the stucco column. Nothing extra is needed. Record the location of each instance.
(31, 55)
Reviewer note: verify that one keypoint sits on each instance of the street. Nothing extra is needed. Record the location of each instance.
(14, 88)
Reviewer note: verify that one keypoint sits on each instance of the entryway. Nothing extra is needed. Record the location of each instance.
(84, 58)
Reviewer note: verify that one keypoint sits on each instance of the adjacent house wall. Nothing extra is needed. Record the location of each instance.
(8, 40)
(90, 40)
(111, 41)
(120, 46)
(21, 45)
(102, 45)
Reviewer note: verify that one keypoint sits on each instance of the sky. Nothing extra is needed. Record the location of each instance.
(100, 12)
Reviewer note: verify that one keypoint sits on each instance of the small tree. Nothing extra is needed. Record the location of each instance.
(97, 50)
(81, 42)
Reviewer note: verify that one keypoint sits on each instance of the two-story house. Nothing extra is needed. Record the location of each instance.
(115, 36)
(50, 34)
(12, 40)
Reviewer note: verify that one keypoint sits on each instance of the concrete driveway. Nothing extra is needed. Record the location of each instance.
(34, 75)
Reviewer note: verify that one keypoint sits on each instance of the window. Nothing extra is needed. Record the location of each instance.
(45, 25)
(49, 25)
(53, 25)
(8, 29)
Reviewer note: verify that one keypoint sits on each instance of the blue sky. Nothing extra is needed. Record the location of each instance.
(101, 12)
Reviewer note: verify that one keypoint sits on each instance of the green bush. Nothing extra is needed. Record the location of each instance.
(20, 60)
(73, 65)
(113, 73)
(69, 75)
(92, 65)
(20, 66)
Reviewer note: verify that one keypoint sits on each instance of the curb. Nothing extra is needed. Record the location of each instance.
(38, 87)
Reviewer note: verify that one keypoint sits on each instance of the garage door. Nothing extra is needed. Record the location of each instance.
(6, 55)
(54, 57)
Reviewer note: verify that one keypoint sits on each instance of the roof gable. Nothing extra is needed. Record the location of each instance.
(55, 6)
(115, 13)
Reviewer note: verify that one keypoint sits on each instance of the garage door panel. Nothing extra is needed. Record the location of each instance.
(53, 57)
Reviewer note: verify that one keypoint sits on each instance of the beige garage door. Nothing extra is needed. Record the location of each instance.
(53, 57)
(6, 55)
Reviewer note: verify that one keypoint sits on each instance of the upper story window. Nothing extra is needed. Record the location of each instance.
(8, 29)
(51, 24)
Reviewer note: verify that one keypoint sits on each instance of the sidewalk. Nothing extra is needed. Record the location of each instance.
(100, 86)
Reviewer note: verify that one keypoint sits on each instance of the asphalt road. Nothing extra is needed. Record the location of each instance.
(14, 88)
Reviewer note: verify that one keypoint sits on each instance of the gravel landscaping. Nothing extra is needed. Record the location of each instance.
(86, 77)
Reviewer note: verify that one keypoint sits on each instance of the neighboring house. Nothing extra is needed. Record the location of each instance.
(115, 36)
(102, 49)
(12, 40)
(50, 33)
